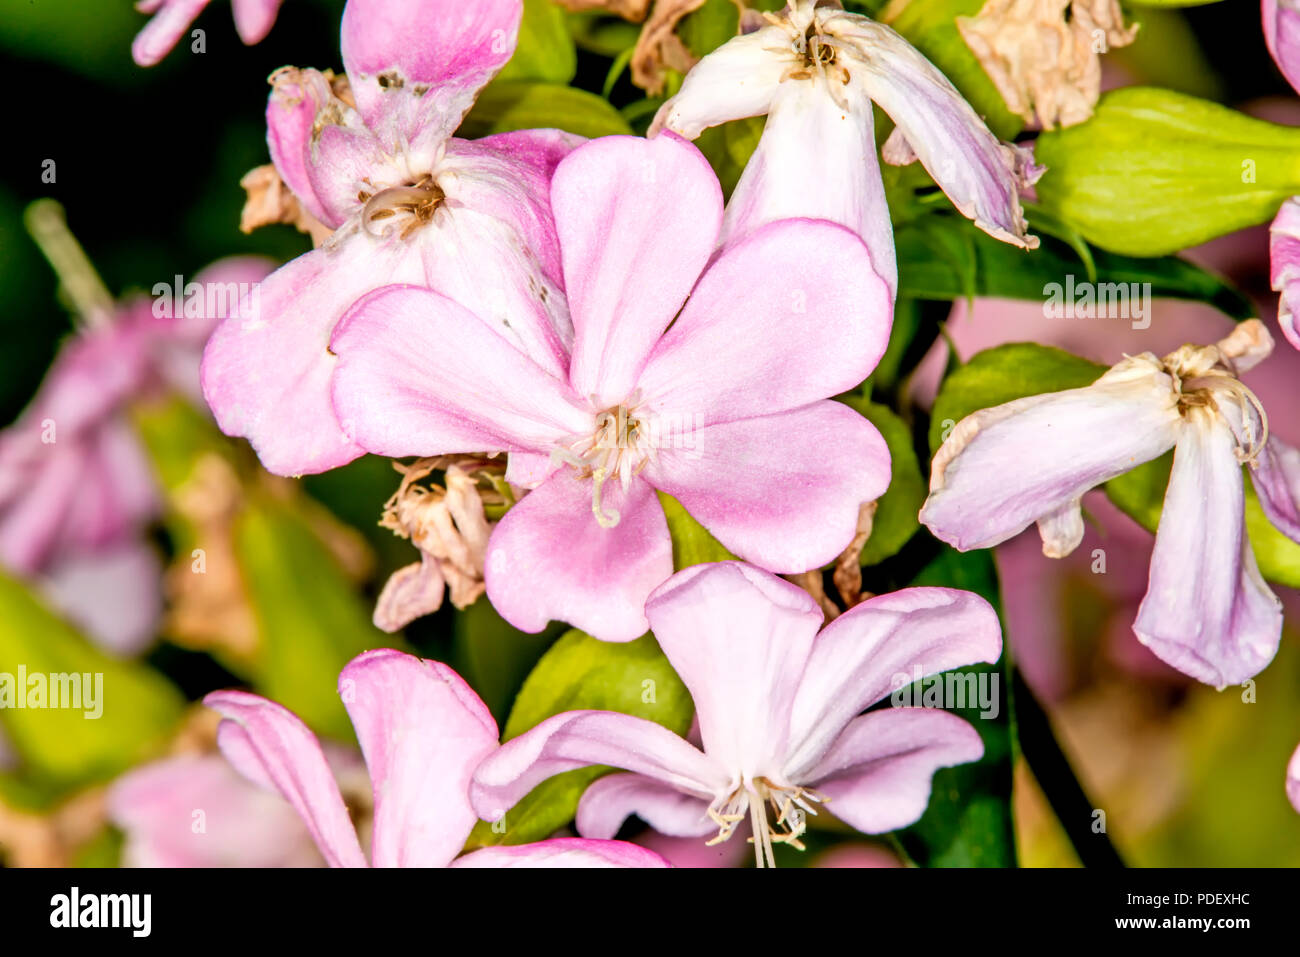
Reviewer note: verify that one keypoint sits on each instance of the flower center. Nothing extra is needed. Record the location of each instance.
(791, 805)
(1203, 383)
(411, 206)
(817, 54)
(619, 446)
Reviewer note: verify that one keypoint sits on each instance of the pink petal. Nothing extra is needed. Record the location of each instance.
(637, 220)
(981, 175)
(1284, 251)
(291, 110)
(419, 374)
(164, 30)
(113, 594)
(1281, 21)
(1276, 478)
(433, 55)
(577, 739)
(611, 800)
(729, 619)
(564, 852)
(550, 559)
(1293, 780)
(818, 161)
(737, 80)
(243, 826)
(877, 773)
(1128, 417)
(1227, 627)
(804, 335)
(266, 375)
(254, 18)
(879, 646)
(423, 730)
(290, 756)
(782, 491)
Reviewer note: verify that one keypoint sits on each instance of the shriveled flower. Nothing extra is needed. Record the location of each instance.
(172, 18)
(450, 526)
(422, 731)
(779, 708)
(1044, 56)
(723, 407)
(269, 200)
(373, 159)
(815, 71)
(1207, 611)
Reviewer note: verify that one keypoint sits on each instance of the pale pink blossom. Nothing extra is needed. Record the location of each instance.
(374, 160)
(422, 731)
(780, 712)
(815, 70)
(1207, 610)
(723, 406)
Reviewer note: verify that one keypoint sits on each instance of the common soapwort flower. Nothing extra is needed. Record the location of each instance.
(723, 407)
(779, 708)
(1281, 20)
(171, 18)
(814, 70)
(1207, 610)
(372, 157)
(422, 731)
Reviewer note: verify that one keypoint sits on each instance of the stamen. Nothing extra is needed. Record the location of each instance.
(418, 202)
(618, 447)
(790, 805)
(48, 226)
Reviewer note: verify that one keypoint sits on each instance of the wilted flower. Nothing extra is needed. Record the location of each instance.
(373, 159)
(723, 408)
(1207, 611)
(422, 730)
(448, 523)
(815, 71)
(171, 18)
(1044, 56)
(779, 707)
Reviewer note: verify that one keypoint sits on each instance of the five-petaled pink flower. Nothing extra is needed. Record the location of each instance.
(779, 708)
(724, 407)
(1207, 610)
(422, 731)
(374, 160)
(171, 18)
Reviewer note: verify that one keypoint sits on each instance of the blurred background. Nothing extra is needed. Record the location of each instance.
(147, 167)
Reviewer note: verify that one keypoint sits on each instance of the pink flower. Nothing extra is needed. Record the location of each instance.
(197, 811)
(815, 70)
(374, 160)
(422, 730)
(1207, 610)
(171, 18)
(1281, 20)
(76, 486)
(779, 707)
(724, 407)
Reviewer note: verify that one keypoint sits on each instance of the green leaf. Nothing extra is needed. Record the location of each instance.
(929, 267)
(311, 619)
(706, 29)
(64, 748)
(692, 543)
(931, 27)
(579, 673)
(506, 105)
(545, 48)
(895, 520)
(1155, 171)
(999, 375)
(969, 822)
(494, 657)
